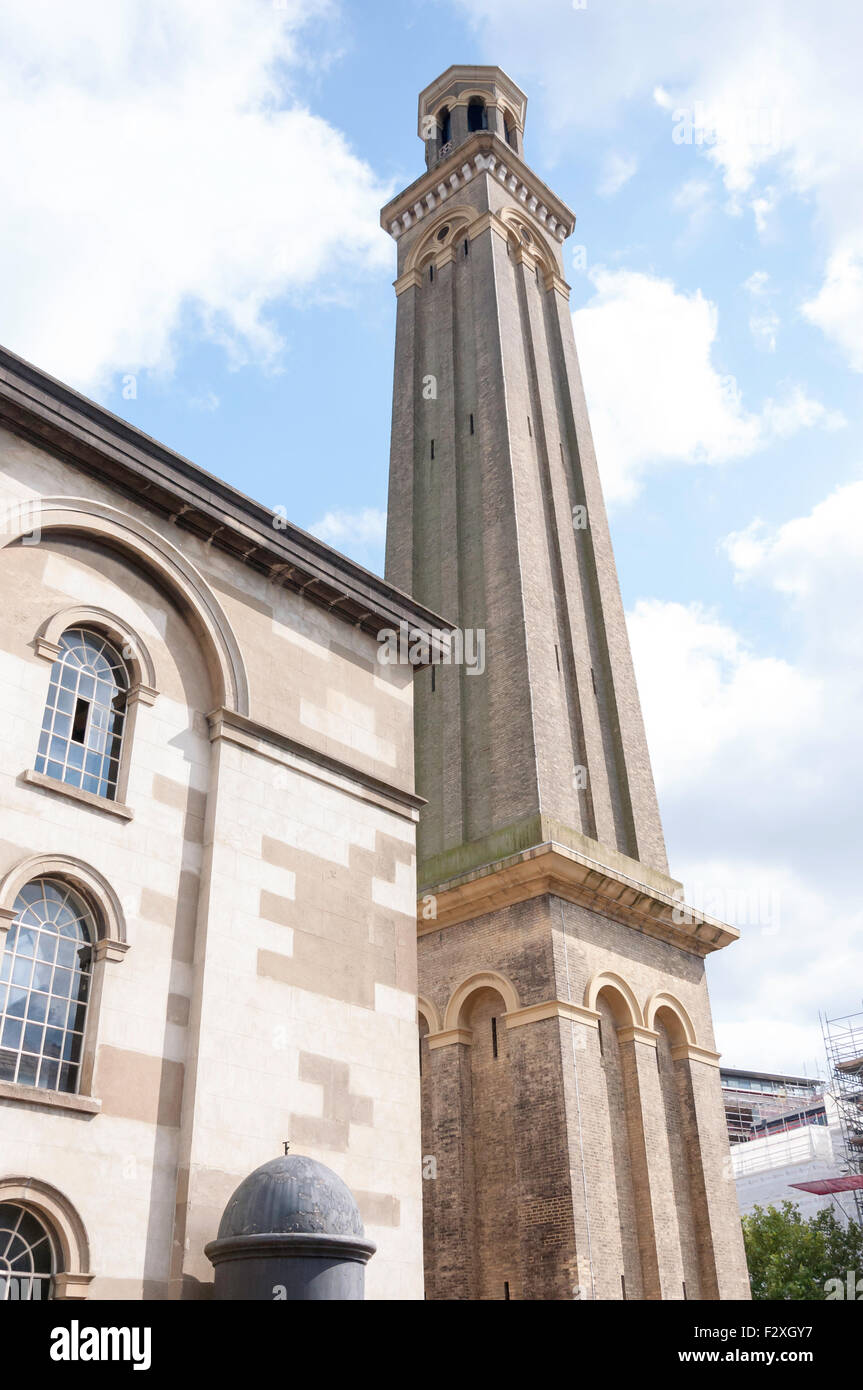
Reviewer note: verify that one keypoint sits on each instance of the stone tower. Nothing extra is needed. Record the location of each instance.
(572, 1117)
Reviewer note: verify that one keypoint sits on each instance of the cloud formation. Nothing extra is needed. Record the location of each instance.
(360, 534)
(761, 756)
(618, 170)
(655, 393)
(746, 82)
(160, 168)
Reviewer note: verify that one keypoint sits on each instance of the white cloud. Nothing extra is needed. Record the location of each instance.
(759, 763)
(762, 206)
(644, 343)
(161, 167)
(207, 402)
(706, 694)
(757, 284)
(618, 170)
(764, 322)
(695, 199)
(764, 325)
(774, 89)
(798, 411)
(837, 309)
(816, 562)
(352, 531)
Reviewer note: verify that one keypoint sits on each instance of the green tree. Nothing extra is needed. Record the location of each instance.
(790, 1257)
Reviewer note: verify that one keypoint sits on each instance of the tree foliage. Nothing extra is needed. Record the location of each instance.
(792, 1257)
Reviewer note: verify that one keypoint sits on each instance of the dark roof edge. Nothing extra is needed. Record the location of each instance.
(773, 1076)
(48, 412)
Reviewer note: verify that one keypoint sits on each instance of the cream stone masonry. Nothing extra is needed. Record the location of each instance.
(253, 884)
(570, 1093)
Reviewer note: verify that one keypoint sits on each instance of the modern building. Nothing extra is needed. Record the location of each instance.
(791, 1166)
(572, 1110)
(758, 1103)
(786, 1141)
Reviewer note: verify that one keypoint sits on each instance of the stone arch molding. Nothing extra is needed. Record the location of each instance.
(108, 910)
(536, 249)
(430, 1013)
(120, 531)
(72, 1249)
(606, 979)
(131, 645)
(484, 979)
(457, 217)
(662, 1001)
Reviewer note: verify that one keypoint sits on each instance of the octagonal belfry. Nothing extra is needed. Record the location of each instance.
(291, 1231)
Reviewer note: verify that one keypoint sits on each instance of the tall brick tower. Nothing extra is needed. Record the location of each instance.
(572, 1115)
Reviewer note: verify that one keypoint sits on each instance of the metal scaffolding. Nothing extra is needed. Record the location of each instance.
(843, 1041)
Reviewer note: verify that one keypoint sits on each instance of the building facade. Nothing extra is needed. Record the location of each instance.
(572, 1112)
(759, 1103)
(207, 873)
(784, 1131)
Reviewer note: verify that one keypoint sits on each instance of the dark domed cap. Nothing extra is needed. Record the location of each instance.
(291, 1195)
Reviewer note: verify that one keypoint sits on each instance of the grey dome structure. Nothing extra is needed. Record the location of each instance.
(291, 1230)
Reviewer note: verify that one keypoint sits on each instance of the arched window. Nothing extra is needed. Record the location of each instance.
(82, 730)
(44, 986)
(477, 116)
(445, 123)
(27, 1262)
(509, 131)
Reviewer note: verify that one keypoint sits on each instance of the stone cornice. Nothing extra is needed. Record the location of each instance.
(688, 1052)
(484, 152)
(310, 762)
(68, 425)
(635, 1033)
(448, 1036)
(552, 1008)
(555, 869)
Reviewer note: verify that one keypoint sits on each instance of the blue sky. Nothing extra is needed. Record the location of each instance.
(192, 201)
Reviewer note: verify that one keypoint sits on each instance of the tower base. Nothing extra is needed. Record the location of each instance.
(574, 1135)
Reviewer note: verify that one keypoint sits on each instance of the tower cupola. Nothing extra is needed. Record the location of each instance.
(467, 99)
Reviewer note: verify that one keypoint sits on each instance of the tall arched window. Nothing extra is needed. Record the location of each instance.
(82, 730)
(445, 123)
(477, 115)
(45, 986)
(27, 1263)
(509, 132)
